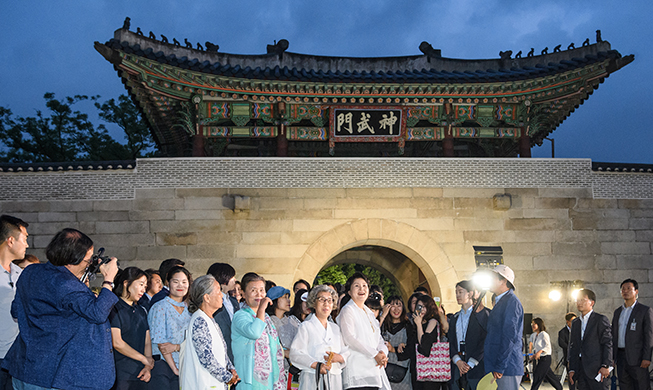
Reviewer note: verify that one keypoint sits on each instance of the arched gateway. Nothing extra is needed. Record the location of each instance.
(421, 249)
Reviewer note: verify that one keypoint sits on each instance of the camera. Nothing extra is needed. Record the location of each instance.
(375, 295)
(94, 265)
(419, 308)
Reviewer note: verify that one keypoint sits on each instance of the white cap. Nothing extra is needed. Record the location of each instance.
(506, 272)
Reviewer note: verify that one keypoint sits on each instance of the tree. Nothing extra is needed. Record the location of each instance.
(65, 134)
(340, 273)
(129, 119)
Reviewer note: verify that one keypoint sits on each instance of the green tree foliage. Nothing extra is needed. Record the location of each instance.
(65, 134)
(129, 119)
(340, 273)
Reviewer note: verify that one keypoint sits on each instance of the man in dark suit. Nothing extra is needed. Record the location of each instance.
(632, 337)
(226, 276)
(563, 342)
(590, 345)
(467, 331)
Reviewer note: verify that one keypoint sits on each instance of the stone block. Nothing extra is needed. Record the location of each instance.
(103, 216)
(161, 253)
(155, 193)
(518, 262)
(12, 207)
(167, 239)
(626, 248)
(320, 203)
(265, 226)
(260, 192)
(319, 193)
(374, 213)
(72, 205)
(151, 215)
(561, 262)
(379, 193)
(270, 251)
(215, 237)
(445, 235)
(87, 227)
(437, 213)
(641, 213)
(429, 224)
(606, 262)
(473, 203)
(480, 237)
(616, 235)
(112, 205)
(382, 203)
(122, 240)
(641, 223)
(522, 192)
(50, 228)
(38, 241)
(526, 249)
(644, 235)
(122, 227)
(555, 203)
(618, 276)
(634, 261)
(192, 226)
(359, 228)
(595, 223)
(575, 236)
(217, 253)
(124, 253)
(297, 214)
(478, 224)
(536, 224)
(546, 213)
(487, 193)
(199, 214)
(565, 192)
(314, 225)
(501, 202)
(159, 204)
(374, 228)
(419, 192)
(636, 203)
(200, 192)
(203, 203)
(31, 218)
(573, 249)
(261, 238)
(432, 203)
(280, 203)
(587, 203)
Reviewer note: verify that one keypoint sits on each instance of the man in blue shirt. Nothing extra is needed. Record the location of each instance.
(503, 344)
(65, 338)
(13, 243)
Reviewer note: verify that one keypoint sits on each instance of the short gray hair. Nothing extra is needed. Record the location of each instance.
(200, 287)
(316, 290)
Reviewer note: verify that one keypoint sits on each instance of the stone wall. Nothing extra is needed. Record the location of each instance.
(557, 220)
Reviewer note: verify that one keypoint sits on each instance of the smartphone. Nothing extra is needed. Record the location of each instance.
(419, 308)
(437, 301)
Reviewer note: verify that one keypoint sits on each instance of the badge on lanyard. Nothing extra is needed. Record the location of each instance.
(633, 326)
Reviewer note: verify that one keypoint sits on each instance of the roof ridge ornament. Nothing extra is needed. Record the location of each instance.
(278, 47)
(429, 51)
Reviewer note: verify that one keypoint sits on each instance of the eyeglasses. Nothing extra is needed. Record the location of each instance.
(325, 300)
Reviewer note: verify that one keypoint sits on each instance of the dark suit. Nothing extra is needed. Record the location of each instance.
(639, 341)
(474, 343)
(563, 342)
(159, 296)
(224, 322)
(588, 354)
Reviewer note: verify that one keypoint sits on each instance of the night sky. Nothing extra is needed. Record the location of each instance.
(47, 46)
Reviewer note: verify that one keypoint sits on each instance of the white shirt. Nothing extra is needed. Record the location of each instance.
(361, 333)
(583, 323)
(310, 345)
(541, 342)
(8, 326)
(623, 324)
(226, 302)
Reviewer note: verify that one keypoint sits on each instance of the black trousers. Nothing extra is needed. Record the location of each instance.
(541, 371)
(130, 385)
(631, 377)
(162, 377)
(583, 382)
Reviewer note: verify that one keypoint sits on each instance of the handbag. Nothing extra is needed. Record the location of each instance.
(395, 372)
(437, 366)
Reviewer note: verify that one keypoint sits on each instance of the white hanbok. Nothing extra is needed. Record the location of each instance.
(310, 345)
(361, 333)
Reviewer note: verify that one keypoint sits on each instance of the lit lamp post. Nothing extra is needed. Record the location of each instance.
(486, 257)
(565, 288)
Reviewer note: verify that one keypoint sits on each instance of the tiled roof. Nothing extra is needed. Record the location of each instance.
(68, 166)
(622, 167)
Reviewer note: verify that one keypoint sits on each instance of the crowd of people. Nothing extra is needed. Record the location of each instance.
(164, 329)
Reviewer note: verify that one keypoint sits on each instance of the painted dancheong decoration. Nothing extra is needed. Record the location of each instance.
(288, 104)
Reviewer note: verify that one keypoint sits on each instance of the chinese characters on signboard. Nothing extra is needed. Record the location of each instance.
(367, 123)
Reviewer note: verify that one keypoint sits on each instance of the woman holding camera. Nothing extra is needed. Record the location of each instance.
(130, 332)
(430, 326)
(361, 333)
(168, 320)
